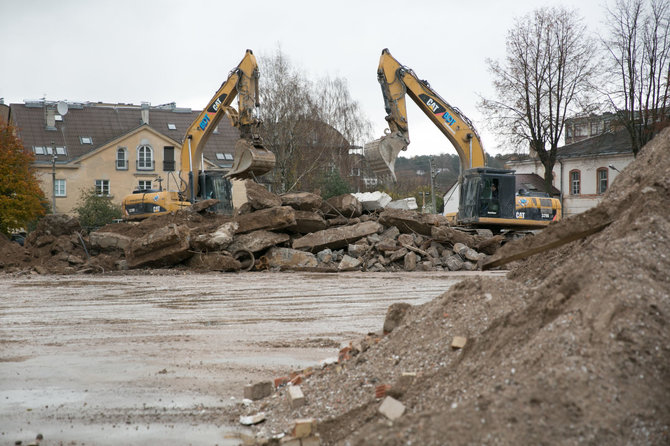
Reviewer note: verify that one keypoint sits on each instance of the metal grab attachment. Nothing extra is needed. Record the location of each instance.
(382, 153)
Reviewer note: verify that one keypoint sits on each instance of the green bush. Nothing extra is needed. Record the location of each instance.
(333, 185)
(95, 211)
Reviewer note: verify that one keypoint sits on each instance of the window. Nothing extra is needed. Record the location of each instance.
(86, 140)
(39, 150)
(355, 172)
(49, 150)
(102, 187)
(595, 128)
(58, 118)
(145, 158)
(61, 151)
(121, 158)
(575, 182)
(172, 126)
(219, 156)
(229, 156)
(144, 185)
(168, 159)
(581, 130)
(601, 180)
(59, 188)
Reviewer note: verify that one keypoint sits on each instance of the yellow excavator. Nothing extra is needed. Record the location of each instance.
(251, 158)
(488, 196)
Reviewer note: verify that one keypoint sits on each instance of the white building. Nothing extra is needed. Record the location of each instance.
(584, 170)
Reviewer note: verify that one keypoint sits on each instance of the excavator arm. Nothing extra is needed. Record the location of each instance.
(251, 158)
(396, 82)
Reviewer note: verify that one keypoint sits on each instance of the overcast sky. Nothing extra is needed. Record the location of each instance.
(163, 51)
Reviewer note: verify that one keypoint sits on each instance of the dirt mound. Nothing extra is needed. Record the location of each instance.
(571, 348)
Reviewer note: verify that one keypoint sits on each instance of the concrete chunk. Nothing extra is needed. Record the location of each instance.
(391, 408)
(458, 342)
(409, 222)
(259, 390)
(109, 241)
(307, 222)
(302, 201)
(257, 241)
(164, 246)
(304, 427)
(346, 205)
(269, 219)
(295, 397)
(338, 237)
(259, 197)
(287, 258)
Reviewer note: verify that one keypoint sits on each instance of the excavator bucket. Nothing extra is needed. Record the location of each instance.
(382, 153)
(251, 159)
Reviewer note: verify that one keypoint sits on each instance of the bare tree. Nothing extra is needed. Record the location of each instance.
(309, 126)
(639, 52)
(549, 62)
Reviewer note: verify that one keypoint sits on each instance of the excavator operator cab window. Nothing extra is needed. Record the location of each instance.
(489, 197)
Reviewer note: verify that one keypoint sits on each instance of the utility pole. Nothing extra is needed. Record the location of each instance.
(53, 175)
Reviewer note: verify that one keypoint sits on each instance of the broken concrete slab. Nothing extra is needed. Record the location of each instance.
(217, 240)
(307, 222)
(338, 237)
(214, 261)
(203, 205)
(257, 241)
(410, 222)
(269, 219)
(287, 258)
(164, 246)
(410, 261)
(302, 201)
(109, 241)
(372, 201)
(259, 197)
(345, 205)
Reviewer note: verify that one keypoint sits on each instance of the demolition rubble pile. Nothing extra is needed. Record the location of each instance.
(571, 347)
(297, 231)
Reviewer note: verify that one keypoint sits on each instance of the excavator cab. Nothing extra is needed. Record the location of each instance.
(487, 193)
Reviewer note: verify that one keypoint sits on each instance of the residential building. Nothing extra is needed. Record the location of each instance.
(584, 170)
(112, 148)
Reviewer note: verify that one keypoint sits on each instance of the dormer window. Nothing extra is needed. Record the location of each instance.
(172, 126)
(86, 140)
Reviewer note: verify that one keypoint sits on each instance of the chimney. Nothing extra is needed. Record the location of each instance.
(145, 113)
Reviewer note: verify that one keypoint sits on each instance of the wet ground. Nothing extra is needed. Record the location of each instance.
(152, 359)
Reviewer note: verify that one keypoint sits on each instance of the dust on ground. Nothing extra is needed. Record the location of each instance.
(571, 348)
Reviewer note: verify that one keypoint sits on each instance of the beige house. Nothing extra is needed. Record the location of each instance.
(112, 148)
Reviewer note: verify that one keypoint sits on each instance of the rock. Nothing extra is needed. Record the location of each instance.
(287, 258)
(452, 235)
(391, 408)
(302, 201)
(406, 239)
(454, 262)
(269, 219)
(357, 250)
(252, 419)
(469, 266)
(391, 233)
(397, 254)
(164, 246)
(74, 260)
(395, 314)
(257, 241)
(303, 427)
(345, 205)
(386, 245)
(325, 256)
(410, 261)
(259, 197)
(335, 238)
(458, 342)
(348, 264)
(405, 204)
(460, 249)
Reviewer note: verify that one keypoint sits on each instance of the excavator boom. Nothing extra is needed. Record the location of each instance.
(251, 158)
(397, 81)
